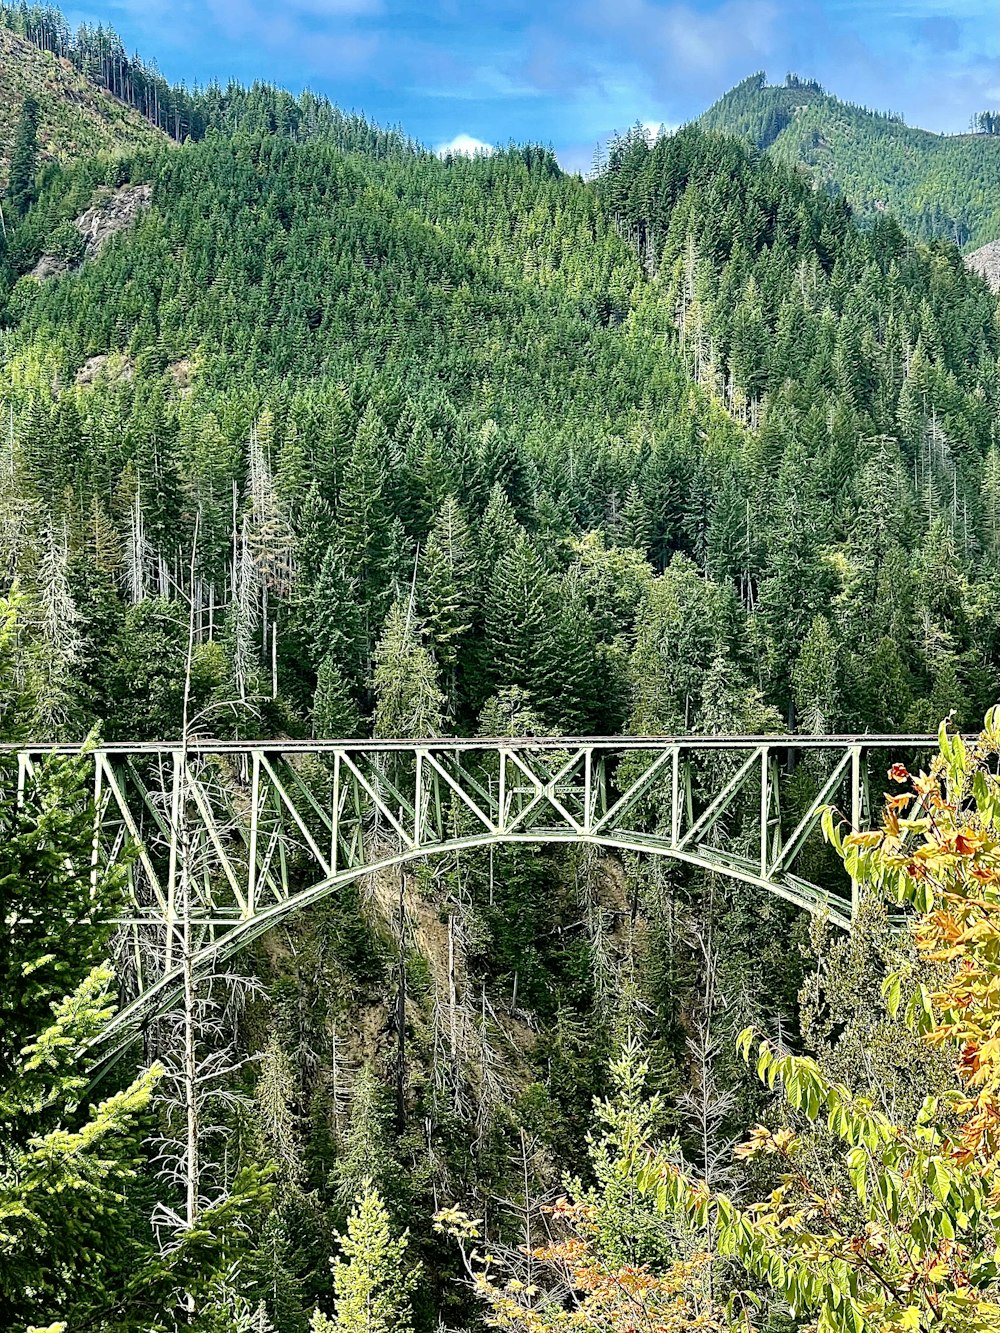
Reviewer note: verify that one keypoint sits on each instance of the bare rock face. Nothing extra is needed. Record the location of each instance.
(104, 367)
(181, 373)
(49, 266)
(986, 262)
(112, 211)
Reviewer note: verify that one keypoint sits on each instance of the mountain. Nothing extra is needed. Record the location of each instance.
(77, 119)
(935, 184)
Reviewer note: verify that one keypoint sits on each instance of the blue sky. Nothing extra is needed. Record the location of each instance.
(567, 73)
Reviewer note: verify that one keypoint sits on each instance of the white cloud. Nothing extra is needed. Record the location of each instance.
(465, 146)
(653, 128)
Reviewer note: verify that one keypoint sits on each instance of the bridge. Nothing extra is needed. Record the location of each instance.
(224, 840)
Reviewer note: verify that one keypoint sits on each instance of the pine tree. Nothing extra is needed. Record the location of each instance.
(373, 1285)
(497, 534)
(364, 519)
(521, 626)
(24, 159)
(335, 619)
(408, 698)
(815, 679)
(54, 924)
(446, 591)
(367, 1152)
(335, 714)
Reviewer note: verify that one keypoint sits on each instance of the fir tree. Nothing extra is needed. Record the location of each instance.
(445, 590)
(335, 714)
(24, 159)
(408, 698)
(521, 626)
(372, 1281)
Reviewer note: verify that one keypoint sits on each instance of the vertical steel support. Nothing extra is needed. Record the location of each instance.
(418, 800)
(335, 814)
(502, 794)
(855, 818)
(282, 858)
(588, 785)
(175, 833)
(765, 806)
(254, 827)
(95, 851)
(675, 796)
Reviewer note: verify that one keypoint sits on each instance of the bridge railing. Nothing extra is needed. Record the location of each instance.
(227, 838)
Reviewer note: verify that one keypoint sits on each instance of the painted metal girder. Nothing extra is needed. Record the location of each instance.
(224, 839)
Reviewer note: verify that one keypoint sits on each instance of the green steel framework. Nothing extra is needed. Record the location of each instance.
(226, 839)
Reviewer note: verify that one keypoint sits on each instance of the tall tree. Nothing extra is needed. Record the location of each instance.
(446, 590)
(408, 697)
(373, 1281)
(21, 190)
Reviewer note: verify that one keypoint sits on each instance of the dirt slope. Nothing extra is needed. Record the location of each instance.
(77, 119)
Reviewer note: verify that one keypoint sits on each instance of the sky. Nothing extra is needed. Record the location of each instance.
(568, 73)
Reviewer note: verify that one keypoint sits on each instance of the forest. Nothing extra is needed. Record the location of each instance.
(307, 432)
(936, 185)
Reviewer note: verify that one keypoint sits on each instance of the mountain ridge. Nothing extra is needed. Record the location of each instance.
(78, 118)
(938, 185)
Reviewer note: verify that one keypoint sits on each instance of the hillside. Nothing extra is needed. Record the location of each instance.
(78, 120)
(936, 185)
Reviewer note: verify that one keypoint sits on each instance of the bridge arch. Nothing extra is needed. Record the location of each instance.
(228, 839)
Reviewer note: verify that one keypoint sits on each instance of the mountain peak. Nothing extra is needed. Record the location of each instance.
(938, 185)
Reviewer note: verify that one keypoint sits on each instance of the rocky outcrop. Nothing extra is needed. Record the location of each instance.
(112, 211)
(986, 262)
(104, 367)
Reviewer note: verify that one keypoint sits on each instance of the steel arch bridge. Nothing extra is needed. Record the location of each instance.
(224, 840)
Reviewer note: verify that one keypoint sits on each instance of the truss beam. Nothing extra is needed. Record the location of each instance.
(231, 838)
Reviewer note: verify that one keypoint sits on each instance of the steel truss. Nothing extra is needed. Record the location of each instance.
(224, 840)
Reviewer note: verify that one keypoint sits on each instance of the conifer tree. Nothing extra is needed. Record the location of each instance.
(24, 158)
(335, 618)
(367, 1152)
(373, 1283)
(814, 679)
(335, 714)
(521, 626)
(408, 697)
(497, 533)
(364, 519)
(445, 590)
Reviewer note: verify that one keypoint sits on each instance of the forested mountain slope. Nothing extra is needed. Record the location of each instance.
(411, 446)
(76, 119)
(936, 185)
(699, 360)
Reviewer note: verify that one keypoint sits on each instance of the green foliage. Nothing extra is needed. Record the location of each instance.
(481, 446)
(55, 907)
(937, 185)
(66, 1222)
(372, 1281)
(24, 159)
(408, 699)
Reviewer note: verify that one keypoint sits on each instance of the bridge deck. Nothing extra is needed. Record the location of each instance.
(227, 838)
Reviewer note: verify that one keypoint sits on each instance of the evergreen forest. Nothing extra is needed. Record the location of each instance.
(307, 432)
(936, 185)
